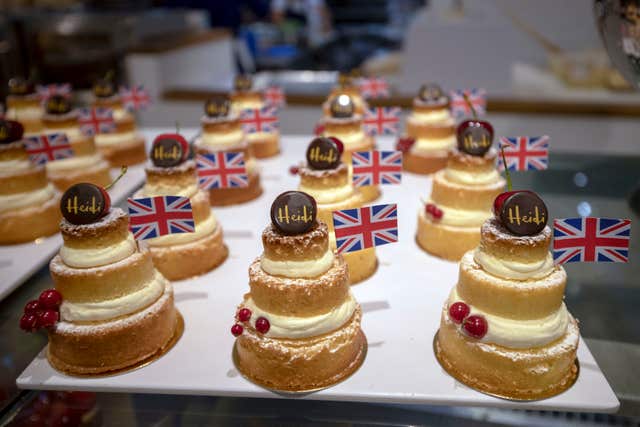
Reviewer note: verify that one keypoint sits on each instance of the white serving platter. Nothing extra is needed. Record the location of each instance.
(401, 305)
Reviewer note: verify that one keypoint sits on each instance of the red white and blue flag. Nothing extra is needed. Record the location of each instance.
(591, 240)
(96, 120)
(46, 91)
(525, 153)
(47, 148)
(381, 120)
(376, 167)
(459, 106)
(222, 170)
(365, 227)
(134, 98)
(263, 119)
(373, 87)
(151, 217)
(274, 96)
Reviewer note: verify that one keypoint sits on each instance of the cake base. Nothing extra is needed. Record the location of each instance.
(444, 241)
(233, 196)
(370, 193)
(28, 224)
(264, 145)
(98, 175)
(190, 259)
(126, 153)
(423, 164)
(514, 374)
(362, 264)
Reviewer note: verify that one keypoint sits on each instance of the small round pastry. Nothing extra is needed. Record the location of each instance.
(23, 105)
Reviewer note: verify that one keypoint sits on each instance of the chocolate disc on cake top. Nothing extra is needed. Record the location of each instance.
(475, 137)
(10, 131)
(168, 150)
(242, 83)
(430, 92)
(323, 153)
(293, 212)
(57, 104)
(524, 213)
(84, 203)
(104, 88)
(218, 106)
(342, 106)
(20, 86)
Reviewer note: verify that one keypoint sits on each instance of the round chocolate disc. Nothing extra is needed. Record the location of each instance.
(242, 82)
(475, 137)
(294, 212)
(10, 131)
(430, 92)
(20, 86)
(169, 149)
(104, 88)
(217, 107)
(83, 203)
(342, 106)
(323, 153)
(57, 104)
(524, 213)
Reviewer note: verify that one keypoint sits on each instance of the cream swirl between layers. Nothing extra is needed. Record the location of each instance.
(306, 269)
(515, 270)
(427, 146)
(96, 257)
(120, 114)
(29, 113)
(350, 138)
(471, 178)
(442, 117)
(14, 201)
(14, 165)
(459, 217)
(303, 327)
(73, 163)
(217, 140)
(512, 333)
(113, 308)
(203, 229)
(329, 195)
(162, 188)
(109, 139)
(239, 105)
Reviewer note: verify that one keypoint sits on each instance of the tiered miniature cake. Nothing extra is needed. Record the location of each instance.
(326, 179)
(117, 310)
(221, 131)
(178, 256)
(461, 195)
(28, 203)
(505, 329)
(432, 129)
(86, 164)
(125, 145)
(346, 125)
(346, 86)
(23, 105)
(263, 144)
(299, 327)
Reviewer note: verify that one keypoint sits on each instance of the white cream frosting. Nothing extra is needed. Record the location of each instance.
(95, 257)
(110, 309)
(108, 139)
(222, 139)
(10, 202)
(513, 333)
(203, 228)
(329, 195)
(14, 165)
(471, 178)
(29, 113)
(302, 327)
(442, 117)
(309, 268)
(459, 217)
(120, 114)
(350, 138)
(429, 145)
(74, 163)
(507, 269)
(245, 104)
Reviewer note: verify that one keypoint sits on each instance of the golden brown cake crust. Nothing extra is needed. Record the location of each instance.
(499, 242)
(308, 246)
(245, 96)
(28, 224)
(83, 146)
(231, 124)
(13, 151)
(232, 196)
(126, 153)
(450, 243)
(20, 101)
(99, 175)
(470, 197)
(423, 164)
(264, 144)
(22, 181)
(324, 179)
(419, 130)
(182, 175)
(113, 227)
(341, 126)
(362, 264)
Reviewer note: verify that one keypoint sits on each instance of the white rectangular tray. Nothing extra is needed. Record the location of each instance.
(401, 304)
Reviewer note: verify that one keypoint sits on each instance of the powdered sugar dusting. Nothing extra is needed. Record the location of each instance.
(493, 229)
(185, 166)
(83, 229)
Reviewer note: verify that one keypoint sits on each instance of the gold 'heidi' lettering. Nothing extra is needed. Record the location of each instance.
(516, 218)
(160, 153)
(287, 217)
(317, 156)
(4, 132)
(471, 143)
(90, 206)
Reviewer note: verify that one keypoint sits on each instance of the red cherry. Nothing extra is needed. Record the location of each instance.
(50, 298)
(29, 322)
(430, 207)
(437, 213)
(293, 170)
(499, 201)
(475, 326)
(458, 311)
(47, 318)
(32, 307)
(236, 330)
(262, 325)
(244, 314)
(405, 144)
(107, 201)
(338, 143)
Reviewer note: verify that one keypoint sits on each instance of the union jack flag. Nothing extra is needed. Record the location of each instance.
(365, 227)
(524, 153)
(591, 240)
(374, 87)
(376, 167)
(274, 96)
(263, 119)
(46, 148)
(135, 98)
(46, 91)
(151, 217)
(459, 106)
(222, 170)
(96, 120)
(381, 120)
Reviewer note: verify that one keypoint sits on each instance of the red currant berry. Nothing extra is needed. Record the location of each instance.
(458, 311)
(29, 322)
(437, 213)
(293, 170)
(236, 330)
(475, 326)
(430, 207)
(244, 314)
(32, 307)
(50, 298)
(47, 318)
(262, 325)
